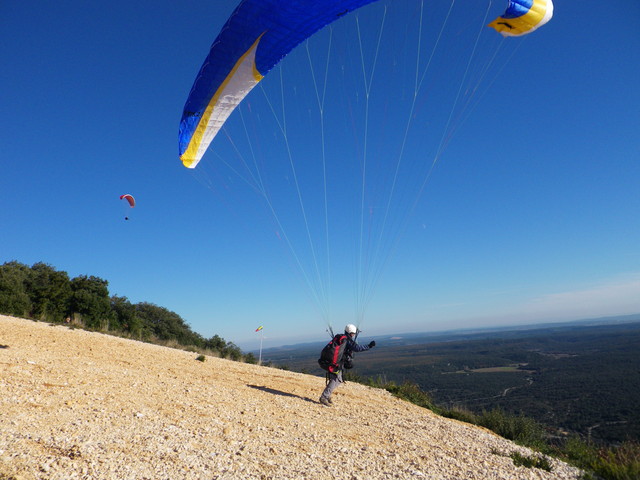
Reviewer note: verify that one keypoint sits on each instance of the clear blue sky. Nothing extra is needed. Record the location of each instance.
(531, 212)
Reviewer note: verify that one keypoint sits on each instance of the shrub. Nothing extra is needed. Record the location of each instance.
(460, 414)
(412, 393)
(531, 462)
(621, 463)
(250, 358)
(523, 430)
(610, 463)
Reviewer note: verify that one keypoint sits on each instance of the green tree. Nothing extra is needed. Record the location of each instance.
(14, 299)
(232, 352)
(50, 293)
(167, 325)
(215, 343)
(126, 316)
(250, 358)
(90, 299)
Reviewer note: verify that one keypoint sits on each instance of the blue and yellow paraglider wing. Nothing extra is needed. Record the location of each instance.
(255, 38)
(523, 16)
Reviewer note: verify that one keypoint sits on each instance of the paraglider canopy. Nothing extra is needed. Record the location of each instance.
(130, 200)
(260, 33)
(523, 17)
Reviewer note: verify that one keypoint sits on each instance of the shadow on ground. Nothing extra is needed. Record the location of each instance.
(280, 392)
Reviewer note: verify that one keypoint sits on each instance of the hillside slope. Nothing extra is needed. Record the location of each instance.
(77, 404)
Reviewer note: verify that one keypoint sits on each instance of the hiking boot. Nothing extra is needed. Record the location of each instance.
(325, 401)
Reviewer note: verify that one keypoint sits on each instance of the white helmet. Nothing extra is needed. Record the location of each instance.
(350, 329)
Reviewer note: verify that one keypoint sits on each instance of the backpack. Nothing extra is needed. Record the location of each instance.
(331, 356)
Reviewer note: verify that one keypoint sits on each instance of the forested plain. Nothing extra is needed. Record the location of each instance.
(579, 379)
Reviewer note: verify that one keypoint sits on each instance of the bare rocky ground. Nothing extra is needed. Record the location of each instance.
(82, 405)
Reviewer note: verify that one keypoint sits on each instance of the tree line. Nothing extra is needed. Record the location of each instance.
(40, 292)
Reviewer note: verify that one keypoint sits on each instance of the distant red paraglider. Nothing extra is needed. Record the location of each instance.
(130, 200)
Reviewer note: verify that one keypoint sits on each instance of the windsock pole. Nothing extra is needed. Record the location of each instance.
(259, 329)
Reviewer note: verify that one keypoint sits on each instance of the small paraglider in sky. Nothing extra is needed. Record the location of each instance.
(130, 200)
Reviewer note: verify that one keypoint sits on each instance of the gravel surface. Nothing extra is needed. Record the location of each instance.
(84, 405)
